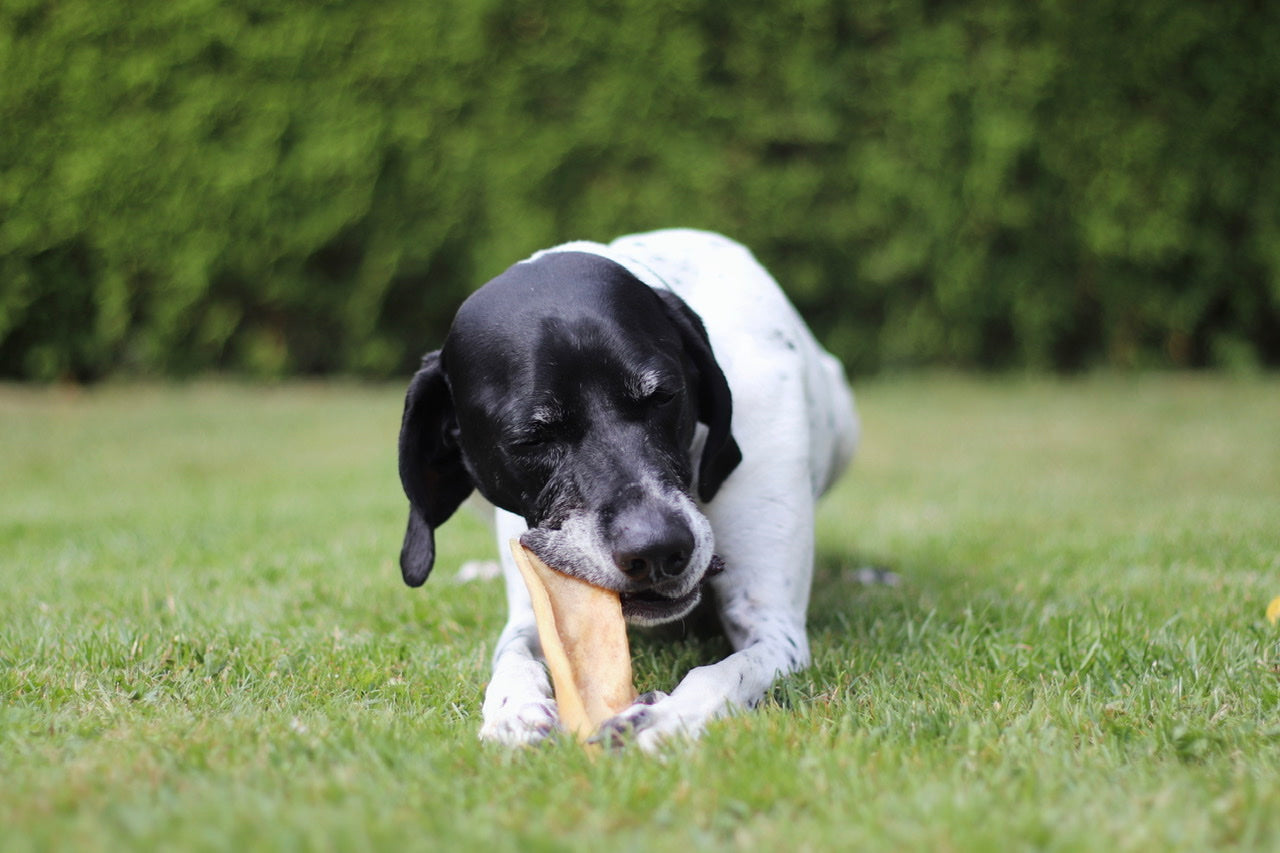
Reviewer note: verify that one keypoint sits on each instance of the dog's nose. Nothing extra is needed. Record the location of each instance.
(651, 548)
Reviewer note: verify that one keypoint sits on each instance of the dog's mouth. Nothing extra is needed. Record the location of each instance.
(651, 607)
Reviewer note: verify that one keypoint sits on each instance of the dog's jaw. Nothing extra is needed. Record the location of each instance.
(650, 608)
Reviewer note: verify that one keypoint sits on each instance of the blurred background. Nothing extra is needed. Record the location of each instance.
(281, 187)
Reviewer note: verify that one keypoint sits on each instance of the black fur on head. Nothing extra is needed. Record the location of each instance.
(498, 408)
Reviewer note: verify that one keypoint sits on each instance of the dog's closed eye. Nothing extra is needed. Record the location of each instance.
(535, 440)
(649, 385)
(545, 426)
(661, 397)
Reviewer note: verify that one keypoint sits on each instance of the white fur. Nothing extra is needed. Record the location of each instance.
(794, 420)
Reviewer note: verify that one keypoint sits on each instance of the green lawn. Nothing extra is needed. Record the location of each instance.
(205, 643)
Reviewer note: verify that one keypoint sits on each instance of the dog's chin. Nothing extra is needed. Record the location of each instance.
(650, 608)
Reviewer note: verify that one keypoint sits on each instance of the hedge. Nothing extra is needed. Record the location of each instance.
(310, 187)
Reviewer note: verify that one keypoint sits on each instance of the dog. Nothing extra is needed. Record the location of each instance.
(654, 417)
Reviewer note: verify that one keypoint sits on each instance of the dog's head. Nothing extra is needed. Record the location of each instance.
(570, 393)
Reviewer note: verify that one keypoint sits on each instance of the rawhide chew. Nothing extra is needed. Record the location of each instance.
(584, 641)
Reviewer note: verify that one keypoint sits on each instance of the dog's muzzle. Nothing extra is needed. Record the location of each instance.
(651, 607)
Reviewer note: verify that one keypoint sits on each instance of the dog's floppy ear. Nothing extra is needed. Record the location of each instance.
(720, 454)
(431, 467)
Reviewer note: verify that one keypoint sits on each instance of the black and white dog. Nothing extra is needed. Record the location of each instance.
(641, 413)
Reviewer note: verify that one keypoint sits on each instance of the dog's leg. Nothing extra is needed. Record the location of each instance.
(518, 704)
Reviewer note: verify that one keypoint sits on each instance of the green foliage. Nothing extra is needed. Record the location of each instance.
(310, 187)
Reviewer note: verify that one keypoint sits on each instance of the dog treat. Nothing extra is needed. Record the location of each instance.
(584, 640)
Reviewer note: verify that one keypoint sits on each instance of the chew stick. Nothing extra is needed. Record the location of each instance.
(584, 640)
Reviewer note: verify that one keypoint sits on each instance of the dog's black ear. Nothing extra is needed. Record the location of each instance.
(720, 454)
(431, 467)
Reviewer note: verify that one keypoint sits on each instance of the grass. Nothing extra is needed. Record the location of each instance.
(205, 645)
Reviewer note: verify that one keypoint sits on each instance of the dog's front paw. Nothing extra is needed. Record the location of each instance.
(520, 724)
(653, 720)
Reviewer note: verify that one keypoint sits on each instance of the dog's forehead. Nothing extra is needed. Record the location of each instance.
(557, 284)
(559, 308)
